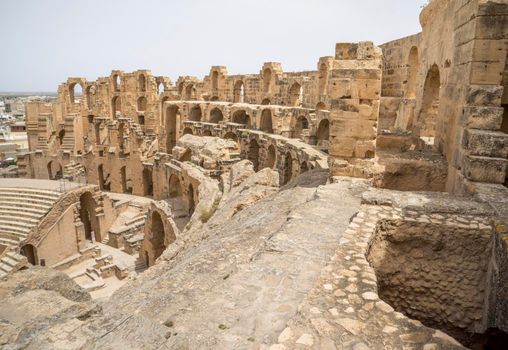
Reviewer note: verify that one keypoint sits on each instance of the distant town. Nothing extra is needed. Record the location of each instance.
(13, 136)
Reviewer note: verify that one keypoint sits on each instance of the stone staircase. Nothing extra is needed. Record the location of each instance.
(21, 209)
(10, 262)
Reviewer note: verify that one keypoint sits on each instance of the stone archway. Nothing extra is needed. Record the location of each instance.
(191, 205)
(266, 123)
(288, 168)
(241, 117)
(157, 235)
(295, 94)
(175, 187)
(253, 154)
(430, 103)
(323, 134)
(171, 127)
(30, 252)
(239, 92)
(147, 182)
(216, 116)
(301, 124)
(270, 157)
(412, 71)
(88, 216)
(195, 114)
(187, 130)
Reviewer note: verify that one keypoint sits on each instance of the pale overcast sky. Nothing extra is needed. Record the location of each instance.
(45, 41)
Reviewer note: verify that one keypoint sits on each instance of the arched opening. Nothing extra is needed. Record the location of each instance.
(267, 80)
(142, 104)
(215, 81)
(239, 92)
(190, 198)
(175, 187)
(323, 134)
(320, 106)
(270, 157)
(126, 180)
(233, 137)
(171, 127)
(430, 103)
(266, 121)
(141, 119)
(323, 79)
(142, 82)
(216, 116)
(187, 130)
(253, 154)
(303, 167)
(116, 82)
(265, 101)
(116, 105)
(161, 87)
(30, 252)
(288, 168)
(90, 96)
(190, 92)
(186, 156)
(147, 182)
(301, 124)
(214, 98)
(75, 91)
(206, 132)
(412, 71)
(294, 94)
(61, 135)
(180, 89)
(88, 217)
(195, 114)
(241, 117)
(100, 173)
(157, 235)
(50, 170)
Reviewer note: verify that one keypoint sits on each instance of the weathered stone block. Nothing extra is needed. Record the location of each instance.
(481, 95)
(486, 143)
(486, 118)
(484, 169)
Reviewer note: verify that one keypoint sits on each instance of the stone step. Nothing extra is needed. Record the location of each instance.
(17, 217)
(29, 203)
(16, 224)
(28, 197)
(8, 241)
(25, 211)
(21, 213)
(35, 192)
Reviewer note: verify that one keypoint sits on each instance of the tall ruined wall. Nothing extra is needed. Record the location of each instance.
(446, 83)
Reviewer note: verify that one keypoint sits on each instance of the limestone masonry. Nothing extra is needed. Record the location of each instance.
(360, 205)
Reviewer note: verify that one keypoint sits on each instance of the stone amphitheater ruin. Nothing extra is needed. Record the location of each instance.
(360, 205)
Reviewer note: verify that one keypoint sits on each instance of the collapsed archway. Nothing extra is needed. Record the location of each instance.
(253, 154)
(241, 117)
(266, 121)
(190, 92)
(160, 236)
(233, 137)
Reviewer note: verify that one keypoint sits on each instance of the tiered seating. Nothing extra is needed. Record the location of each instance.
(20, 210)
